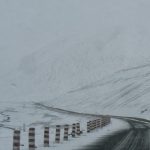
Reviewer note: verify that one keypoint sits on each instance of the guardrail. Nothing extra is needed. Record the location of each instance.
(73, 130)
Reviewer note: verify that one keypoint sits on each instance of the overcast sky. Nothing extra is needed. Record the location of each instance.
(14, 30)
(29, 25)
(23, 29)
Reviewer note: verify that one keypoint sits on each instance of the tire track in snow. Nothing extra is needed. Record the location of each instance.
(135, 138)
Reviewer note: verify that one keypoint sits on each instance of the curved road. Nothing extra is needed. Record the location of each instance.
(135, 138)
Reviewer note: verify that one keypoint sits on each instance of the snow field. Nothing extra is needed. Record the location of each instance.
(6, 137)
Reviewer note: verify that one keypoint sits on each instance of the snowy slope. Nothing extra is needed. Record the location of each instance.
(76, 54)
(88, 56)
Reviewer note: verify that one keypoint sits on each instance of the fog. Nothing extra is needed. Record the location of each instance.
(28, 26)
(25, 26)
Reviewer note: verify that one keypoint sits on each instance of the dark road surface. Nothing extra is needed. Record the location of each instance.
(135, 138)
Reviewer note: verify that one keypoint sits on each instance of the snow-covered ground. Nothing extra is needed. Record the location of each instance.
(38, 116)
(79, 55)
(84, 55)
(73, 143)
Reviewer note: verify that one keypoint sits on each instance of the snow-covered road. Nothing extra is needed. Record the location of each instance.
(134, 138)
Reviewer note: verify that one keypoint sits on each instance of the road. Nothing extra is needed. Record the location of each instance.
(137, 137)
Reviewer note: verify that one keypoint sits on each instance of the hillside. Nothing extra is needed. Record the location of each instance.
(87, 56)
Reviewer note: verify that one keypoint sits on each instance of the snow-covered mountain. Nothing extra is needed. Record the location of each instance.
(83, 55)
